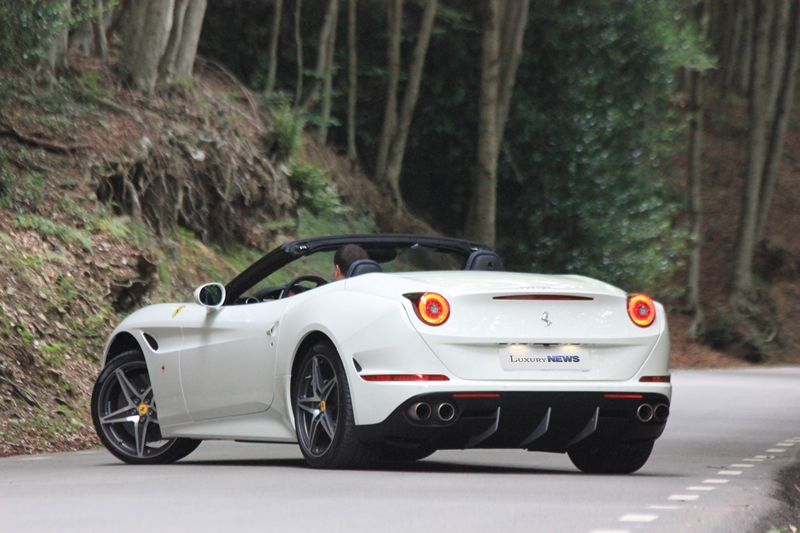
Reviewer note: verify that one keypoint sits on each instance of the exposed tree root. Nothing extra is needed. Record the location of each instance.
(212, 181)
(10, 131)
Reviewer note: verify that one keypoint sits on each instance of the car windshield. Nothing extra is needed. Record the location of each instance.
(392, 259)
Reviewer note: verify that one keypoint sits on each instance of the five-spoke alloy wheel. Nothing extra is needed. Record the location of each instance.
(125, 414)
(318, 406)
(324, 414)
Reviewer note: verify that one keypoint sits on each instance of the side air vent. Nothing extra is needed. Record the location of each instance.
(151, 341)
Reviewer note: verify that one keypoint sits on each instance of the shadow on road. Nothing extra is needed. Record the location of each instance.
(424, 466)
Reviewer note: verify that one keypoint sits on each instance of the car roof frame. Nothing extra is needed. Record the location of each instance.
(294, 250)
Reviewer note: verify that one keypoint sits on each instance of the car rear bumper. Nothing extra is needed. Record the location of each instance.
(536, 421)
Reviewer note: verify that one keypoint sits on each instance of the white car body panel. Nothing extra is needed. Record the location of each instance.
(226, 374)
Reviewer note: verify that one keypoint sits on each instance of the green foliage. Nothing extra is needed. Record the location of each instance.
(52, 429)
(583, 180)
(719, 331)
(592, 137)
(53, 354)
(48, 227)
(28, 28)
(313, 190)
(310, 225)
(18, 187)
(287, 125)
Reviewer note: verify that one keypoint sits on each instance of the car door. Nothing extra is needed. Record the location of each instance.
(228, 358)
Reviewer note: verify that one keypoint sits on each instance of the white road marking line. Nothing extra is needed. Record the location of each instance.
(609, 531)
(741, 466)
(683, 497)
(785, 444)
(34, 458)
(753, 459)
(700, 488)
(717, 481)
(776, 450)
(760, 456)
(638, 517)
(729, 472)
(664, 507)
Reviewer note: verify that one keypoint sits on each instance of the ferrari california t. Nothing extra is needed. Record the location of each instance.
(427, 344)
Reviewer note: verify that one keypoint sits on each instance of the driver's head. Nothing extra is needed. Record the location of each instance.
(346, 256)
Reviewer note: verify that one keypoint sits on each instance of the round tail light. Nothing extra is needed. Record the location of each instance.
(431, 308)
(641, 309)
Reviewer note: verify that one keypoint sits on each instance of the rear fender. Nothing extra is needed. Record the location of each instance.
(371, 330)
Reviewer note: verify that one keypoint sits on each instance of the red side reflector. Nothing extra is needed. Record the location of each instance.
(405, 377)
(624, 396)
(655, 379)
(549, 297)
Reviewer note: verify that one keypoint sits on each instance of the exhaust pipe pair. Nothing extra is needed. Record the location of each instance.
(646, 412)
(421, 411)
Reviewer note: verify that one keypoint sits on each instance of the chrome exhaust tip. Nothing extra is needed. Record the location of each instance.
(645, 412)
(419, 411)
(661, 412)
(445, 412)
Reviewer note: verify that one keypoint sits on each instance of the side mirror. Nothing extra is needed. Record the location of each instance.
(210, 295)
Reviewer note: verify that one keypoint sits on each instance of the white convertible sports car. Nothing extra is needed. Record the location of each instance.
(428, 344)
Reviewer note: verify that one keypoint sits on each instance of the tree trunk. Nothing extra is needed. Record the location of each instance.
(192, 26)
(503, 32)
(322, 53)
(132, 25)
(394, 165)
(746, 64)
(512, 34)
(166, 68)
(778, 55)
(273, 47)
(82, 38)
(480, 221)
(99, 26)
(298, 40)
(55, 61)
(757, 104)
(395, 17)
(327, 88)
(736, 42)
(151, 45)
(695, 201)
(119, 18)
(780, 121)
(695, 178)
(352, 81)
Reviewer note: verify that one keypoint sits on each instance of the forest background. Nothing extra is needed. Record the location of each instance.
(647, 143)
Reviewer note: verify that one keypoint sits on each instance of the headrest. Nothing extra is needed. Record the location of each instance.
(484, 260)
(363, 266)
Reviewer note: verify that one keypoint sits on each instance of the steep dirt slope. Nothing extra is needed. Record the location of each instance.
(110, 201)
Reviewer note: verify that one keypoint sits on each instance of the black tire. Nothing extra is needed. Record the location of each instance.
(323, 413)
(610, 457)
(125, 415)
(394, 454)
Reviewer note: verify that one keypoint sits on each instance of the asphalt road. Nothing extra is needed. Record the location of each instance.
(729, 434)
